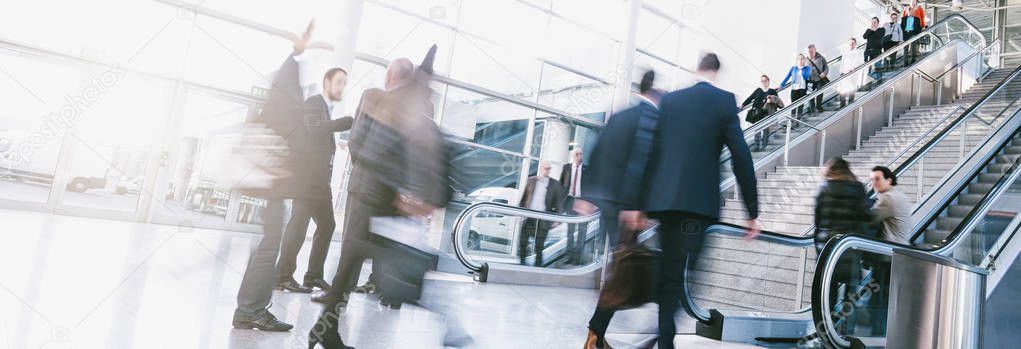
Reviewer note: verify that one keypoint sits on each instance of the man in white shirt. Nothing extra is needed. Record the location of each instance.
(570, 177)
(541, 194)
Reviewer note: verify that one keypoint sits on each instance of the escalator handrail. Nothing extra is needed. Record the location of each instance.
(840, 114)
(464, 218)
(836, 246)
(772, 119)
(781, 89)
(733, 230)
(946, 132)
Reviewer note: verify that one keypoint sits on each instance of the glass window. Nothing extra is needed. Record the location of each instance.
(658, 35)
(560, 135)
(475, 168)
(443, 11)
(112, 143)
(486, 120)
(33, 119)
(515, 26)
(390, 34)
(606, 18)
(229, 56)
(573, 93)
(364, 75)
(579, 48)
(494, 67)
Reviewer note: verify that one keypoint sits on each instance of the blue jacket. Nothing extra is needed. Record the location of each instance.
(684, 167)
(806, 73)
(617, 164)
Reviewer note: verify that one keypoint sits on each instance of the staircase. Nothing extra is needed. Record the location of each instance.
(758, 275)
(787, 195)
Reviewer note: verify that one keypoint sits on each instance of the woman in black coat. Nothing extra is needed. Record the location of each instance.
(840, 207)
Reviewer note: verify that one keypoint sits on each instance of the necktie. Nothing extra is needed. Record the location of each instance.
(574, 181)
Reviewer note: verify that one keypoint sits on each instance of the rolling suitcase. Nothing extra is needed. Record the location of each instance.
(406, 257)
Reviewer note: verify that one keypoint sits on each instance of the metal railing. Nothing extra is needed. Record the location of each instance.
(970, 35)
(838, 246)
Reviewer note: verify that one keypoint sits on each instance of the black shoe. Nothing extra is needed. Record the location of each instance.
(323, 298)
(320, 283)
(263, 321)
(293, 286)
(324, 332)
(367, 288)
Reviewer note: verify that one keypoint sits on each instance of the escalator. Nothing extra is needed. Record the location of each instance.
(957, 58)
(766, 292)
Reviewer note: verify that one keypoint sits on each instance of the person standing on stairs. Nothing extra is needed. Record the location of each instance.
(819, 77)
(894, 36)
(798, 76)
(758, 111)
(874, 45)
(853, 57)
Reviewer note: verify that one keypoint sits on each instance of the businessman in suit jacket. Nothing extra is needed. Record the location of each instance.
(683, 188)
(314, 152)
(542, 193)
(616, 168)
(571, 176)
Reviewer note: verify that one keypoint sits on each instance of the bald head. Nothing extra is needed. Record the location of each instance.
(399, 72)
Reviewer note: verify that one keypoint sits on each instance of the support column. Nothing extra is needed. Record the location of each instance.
(626, 58)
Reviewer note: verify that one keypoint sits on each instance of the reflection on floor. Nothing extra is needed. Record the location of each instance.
(70, 282)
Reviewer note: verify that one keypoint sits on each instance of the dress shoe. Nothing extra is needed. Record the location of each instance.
(324, 298)
(324, 332)
(293, 286)
(263, 321)
(320, 283)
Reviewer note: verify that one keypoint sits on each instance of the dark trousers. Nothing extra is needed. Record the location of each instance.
(681, 237)
(356, 247)
(321, 211)
(257, 284)
(533, 228)
(911, 51)
(817, 103)
(871, 54)
(575, 242)
(795, 96)
(892, 59)
(608, 225)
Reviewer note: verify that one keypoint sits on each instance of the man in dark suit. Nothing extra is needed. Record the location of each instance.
(571, 176)
(612, 183)
(314, 151)
(284, 113)
(683, 180)
(542, 193)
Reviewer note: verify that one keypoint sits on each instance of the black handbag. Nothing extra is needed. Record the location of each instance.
(632, 279)
(754, 115)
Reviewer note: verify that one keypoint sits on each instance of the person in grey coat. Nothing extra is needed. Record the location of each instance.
(892, 210)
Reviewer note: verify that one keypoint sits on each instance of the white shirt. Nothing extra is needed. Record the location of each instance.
(538, 201)
(575, 181)
(799, 81)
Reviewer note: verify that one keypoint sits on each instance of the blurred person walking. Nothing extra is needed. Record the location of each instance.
(614, 180)
(284, 113)
(683, 186)
(399, 164)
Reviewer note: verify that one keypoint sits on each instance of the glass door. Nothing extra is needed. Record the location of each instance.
(109, 156)
(33, 120)
(190, 195)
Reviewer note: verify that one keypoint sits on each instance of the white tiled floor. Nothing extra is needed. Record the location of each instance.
(70, 282)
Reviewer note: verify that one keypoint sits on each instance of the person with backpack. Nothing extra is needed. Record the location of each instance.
(758, 111)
